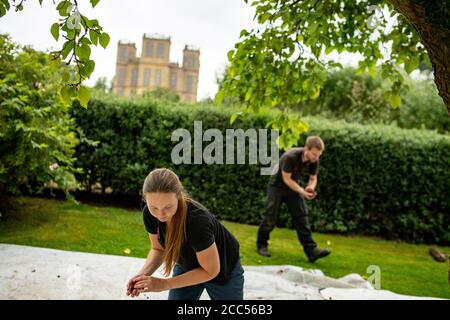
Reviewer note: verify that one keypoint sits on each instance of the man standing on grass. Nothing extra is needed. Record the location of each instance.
(284, 187)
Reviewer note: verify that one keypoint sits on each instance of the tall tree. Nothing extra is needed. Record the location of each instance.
(80, 33)
(285, 60)
(37, 136)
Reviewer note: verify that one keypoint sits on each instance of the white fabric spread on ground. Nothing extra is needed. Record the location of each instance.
(38, 273)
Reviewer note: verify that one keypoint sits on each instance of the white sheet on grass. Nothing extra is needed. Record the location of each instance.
(39, 273)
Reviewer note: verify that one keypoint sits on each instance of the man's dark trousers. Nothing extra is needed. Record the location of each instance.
(298, 210)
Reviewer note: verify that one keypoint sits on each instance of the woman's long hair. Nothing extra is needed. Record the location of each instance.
(166, 181)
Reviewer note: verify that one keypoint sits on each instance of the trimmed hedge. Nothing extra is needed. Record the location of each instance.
(373, 180)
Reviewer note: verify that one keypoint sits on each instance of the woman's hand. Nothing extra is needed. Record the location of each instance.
(150, 284)
(131, 290)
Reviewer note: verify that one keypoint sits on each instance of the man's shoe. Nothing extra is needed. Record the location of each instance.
(264, 252)
(317, 253)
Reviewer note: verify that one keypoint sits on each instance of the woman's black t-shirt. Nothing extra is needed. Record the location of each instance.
(202, 230)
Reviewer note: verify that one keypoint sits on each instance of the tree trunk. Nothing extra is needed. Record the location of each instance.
(436, 40)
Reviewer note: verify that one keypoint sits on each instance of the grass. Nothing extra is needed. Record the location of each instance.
(405, 268)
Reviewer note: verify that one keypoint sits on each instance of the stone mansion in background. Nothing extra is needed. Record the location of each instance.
(135, 75)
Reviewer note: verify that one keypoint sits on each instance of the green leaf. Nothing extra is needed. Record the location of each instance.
(94, 3)
(67, 47)
(315, 93)
(234, 116)
(94, 37)
(316, 50)
(396, 100)
(86, 41)
(248, 95)
(65, 94)
(312, 28)
(70, 34)
(219, 97)
(35, 145)
(412, 64)
(243, 33)
(88, 68)
(104, 39)
(65, 76)
(329, 50)
(83, 52)
(372, 70)
(54, 62)
(393, 99)
(2, 10)
(94, 23)
(230, 55)
(6, 4)
(88, 23)
(426, 60)
(63, 7)
(264, 17)
(55, 30)
(84, 94)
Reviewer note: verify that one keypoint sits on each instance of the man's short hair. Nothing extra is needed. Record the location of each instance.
(315, 142)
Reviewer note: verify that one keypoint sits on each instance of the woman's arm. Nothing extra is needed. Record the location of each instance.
(209, 269)
(154, 260)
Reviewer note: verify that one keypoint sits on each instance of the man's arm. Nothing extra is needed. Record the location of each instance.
(312, 182)
(287, 179)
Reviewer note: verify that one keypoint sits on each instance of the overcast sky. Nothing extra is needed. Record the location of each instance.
(211, 25)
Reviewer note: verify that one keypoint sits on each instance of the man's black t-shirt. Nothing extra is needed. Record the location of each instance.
(202, 230)
(291, 161)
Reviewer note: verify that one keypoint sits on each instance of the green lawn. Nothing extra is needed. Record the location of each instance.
(405, 268)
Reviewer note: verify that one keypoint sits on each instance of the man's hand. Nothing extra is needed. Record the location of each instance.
(150, 284)
(308, 193)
